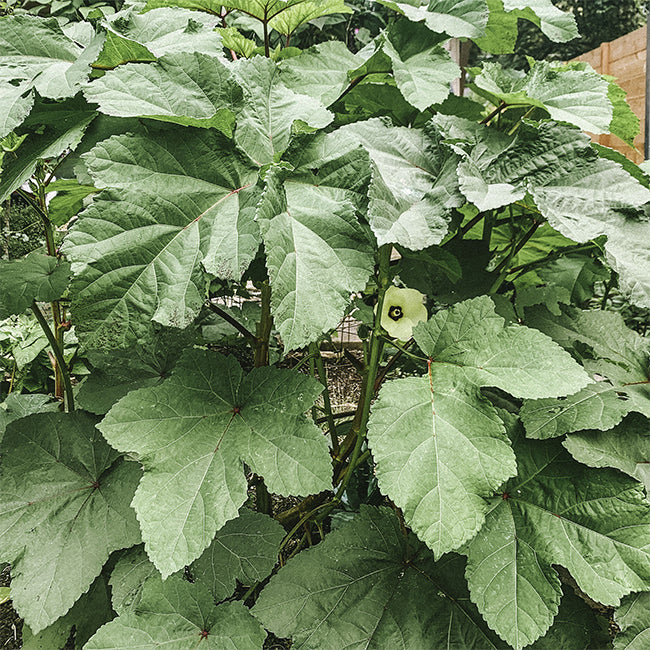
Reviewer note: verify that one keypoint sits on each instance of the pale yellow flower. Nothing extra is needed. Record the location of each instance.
(402, 311)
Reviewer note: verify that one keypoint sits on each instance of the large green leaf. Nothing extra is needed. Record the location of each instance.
(569, 94)
(179, 615)
(593, 522)
(52, 129)
(266, 120)
(317, 254)
(598, 406)
(35, 54)
(414, 185)
(490, 353)
(292, 17)
(368, 585)
(423, 69)
(33, 277)
(193, 433)
(64, 509)
(625, 447)
(244, 550)
(461, 19)
(582, 196)
(633, 618)
(180, 201)
(192, 89)
(133, 36)
(440, 448)
(612, 349)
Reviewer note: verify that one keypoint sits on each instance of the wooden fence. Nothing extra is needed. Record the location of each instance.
(625, 59)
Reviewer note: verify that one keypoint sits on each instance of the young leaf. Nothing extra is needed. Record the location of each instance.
(244, 550)
(625, 447)
(440, 448)
(511, 357)
(133, 36)
(598, 406)
(33, 277)
(191, 89)
(460, 19)
(633, 618)
(321, 71)
(266, 120)
(181, 615)
(317, 255)
(290, 19)
(568, 94)
(64, 509)
(414, 184)
(368, 585)
(193, 433)
(191, 201)
(593, 522)
(423, 68)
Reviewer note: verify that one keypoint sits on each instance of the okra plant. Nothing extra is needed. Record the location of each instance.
(224, 200)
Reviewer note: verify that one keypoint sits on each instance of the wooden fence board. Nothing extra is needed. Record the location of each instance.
(625, 59)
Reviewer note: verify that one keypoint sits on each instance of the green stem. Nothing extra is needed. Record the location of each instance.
(267, 43)
(232, 321)
(494, 113)
(264, 328)
(524, 268)
(58, 355)
(376, 348)
(461, 232)
(488, 224)
(320, 367)
(502, 269)
(521, 121)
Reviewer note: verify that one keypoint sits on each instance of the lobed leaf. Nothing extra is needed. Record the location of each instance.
(64, 509)
(440, 449)
(180, 201)
(625, 447)
(414, 185)
(593, 522)
(368, 585)
(193, 433)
